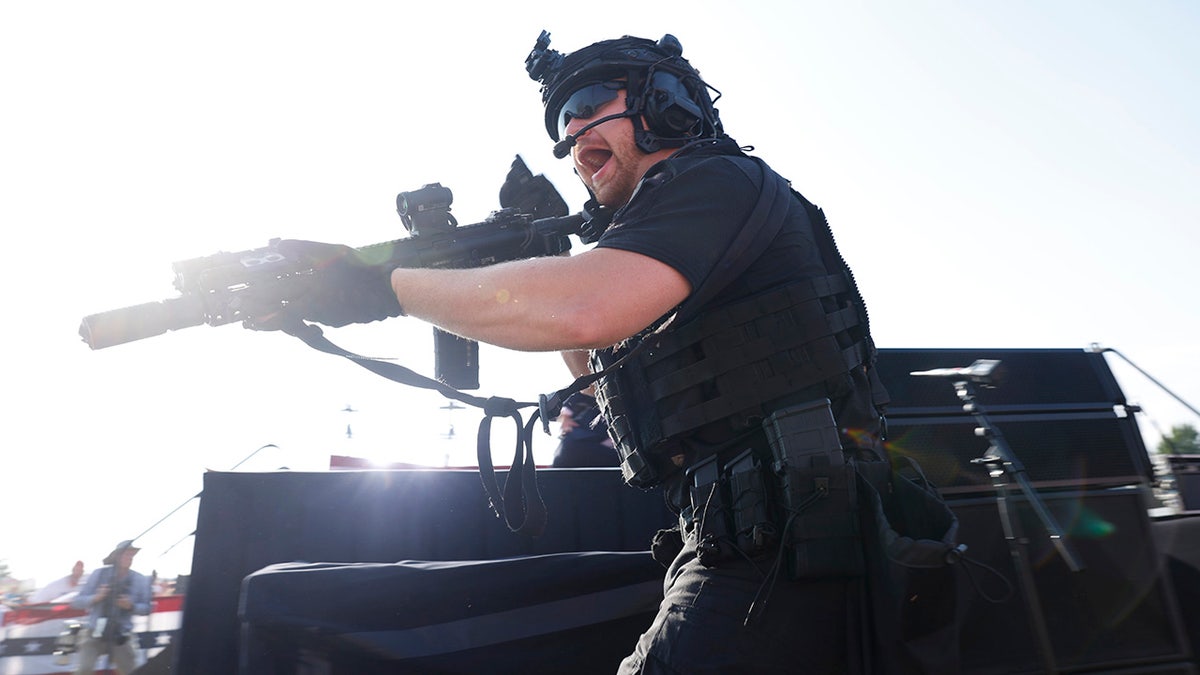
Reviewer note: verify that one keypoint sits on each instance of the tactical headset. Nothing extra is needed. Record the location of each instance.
(660, 87)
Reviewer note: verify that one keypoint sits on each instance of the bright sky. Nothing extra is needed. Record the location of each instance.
(1018, 174)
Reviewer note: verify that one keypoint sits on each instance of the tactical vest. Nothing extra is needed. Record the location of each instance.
(728, 368)
(731, 366)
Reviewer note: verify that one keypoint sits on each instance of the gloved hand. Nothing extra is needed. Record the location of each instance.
(342, 289)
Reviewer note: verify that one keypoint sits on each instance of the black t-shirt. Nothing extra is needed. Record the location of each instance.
(686, 212)
(689, 208)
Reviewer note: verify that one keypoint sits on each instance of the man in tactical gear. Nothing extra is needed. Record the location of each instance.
(717, 305)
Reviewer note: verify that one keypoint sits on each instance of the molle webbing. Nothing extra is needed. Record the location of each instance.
(750, 353)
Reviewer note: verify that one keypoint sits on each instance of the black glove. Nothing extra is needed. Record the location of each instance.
(342, 289)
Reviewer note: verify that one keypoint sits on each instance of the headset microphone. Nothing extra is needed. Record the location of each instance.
(563, 147)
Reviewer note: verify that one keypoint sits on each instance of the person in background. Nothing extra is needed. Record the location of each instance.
(584, 440)
(112, 595)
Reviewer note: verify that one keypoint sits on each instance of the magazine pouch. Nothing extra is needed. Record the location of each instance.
(816, 489)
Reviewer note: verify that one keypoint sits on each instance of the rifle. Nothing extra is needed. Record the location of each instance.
(532, 222)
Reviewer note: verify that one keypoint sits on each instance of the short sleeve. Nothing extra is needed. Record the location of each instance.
(674, 218)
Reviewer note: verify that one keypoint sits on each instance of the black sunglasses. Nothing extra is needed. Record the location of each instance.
(584, 103)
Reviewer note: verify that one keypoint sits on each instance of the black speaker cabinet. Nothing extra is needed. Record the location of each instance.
(1031, 380)
(1118, 613)
(1186, 469)
(1061, 411)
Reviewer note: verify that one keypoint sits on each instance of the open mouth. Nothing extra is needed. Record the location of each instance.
(593, 159)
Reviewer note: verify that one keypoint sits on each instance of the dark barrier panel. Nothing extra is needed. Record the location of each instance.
(250, 520)
(577, 613)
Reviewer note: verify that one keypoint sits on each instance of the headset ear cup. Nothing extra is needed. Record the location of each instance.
(679, 120)
(668, 118)
(669, 110)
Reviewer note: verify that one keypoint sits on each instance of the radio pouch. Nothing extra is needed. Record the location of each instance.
(709, 511)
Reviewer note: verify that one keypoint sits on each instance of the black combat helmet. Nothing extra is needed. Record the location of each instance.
(660, 85)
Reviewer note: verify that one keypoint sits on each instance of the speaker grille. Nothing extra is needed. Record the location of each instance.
(1057, 450)
(1061, 411)
(1186, 470)
(1118, 611)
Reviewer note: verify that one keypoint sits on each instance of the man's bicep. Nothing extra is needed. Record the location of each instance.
(631, 290)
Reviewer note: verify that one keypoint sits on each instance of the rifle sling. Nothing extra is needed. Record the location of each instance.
(520, 486)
